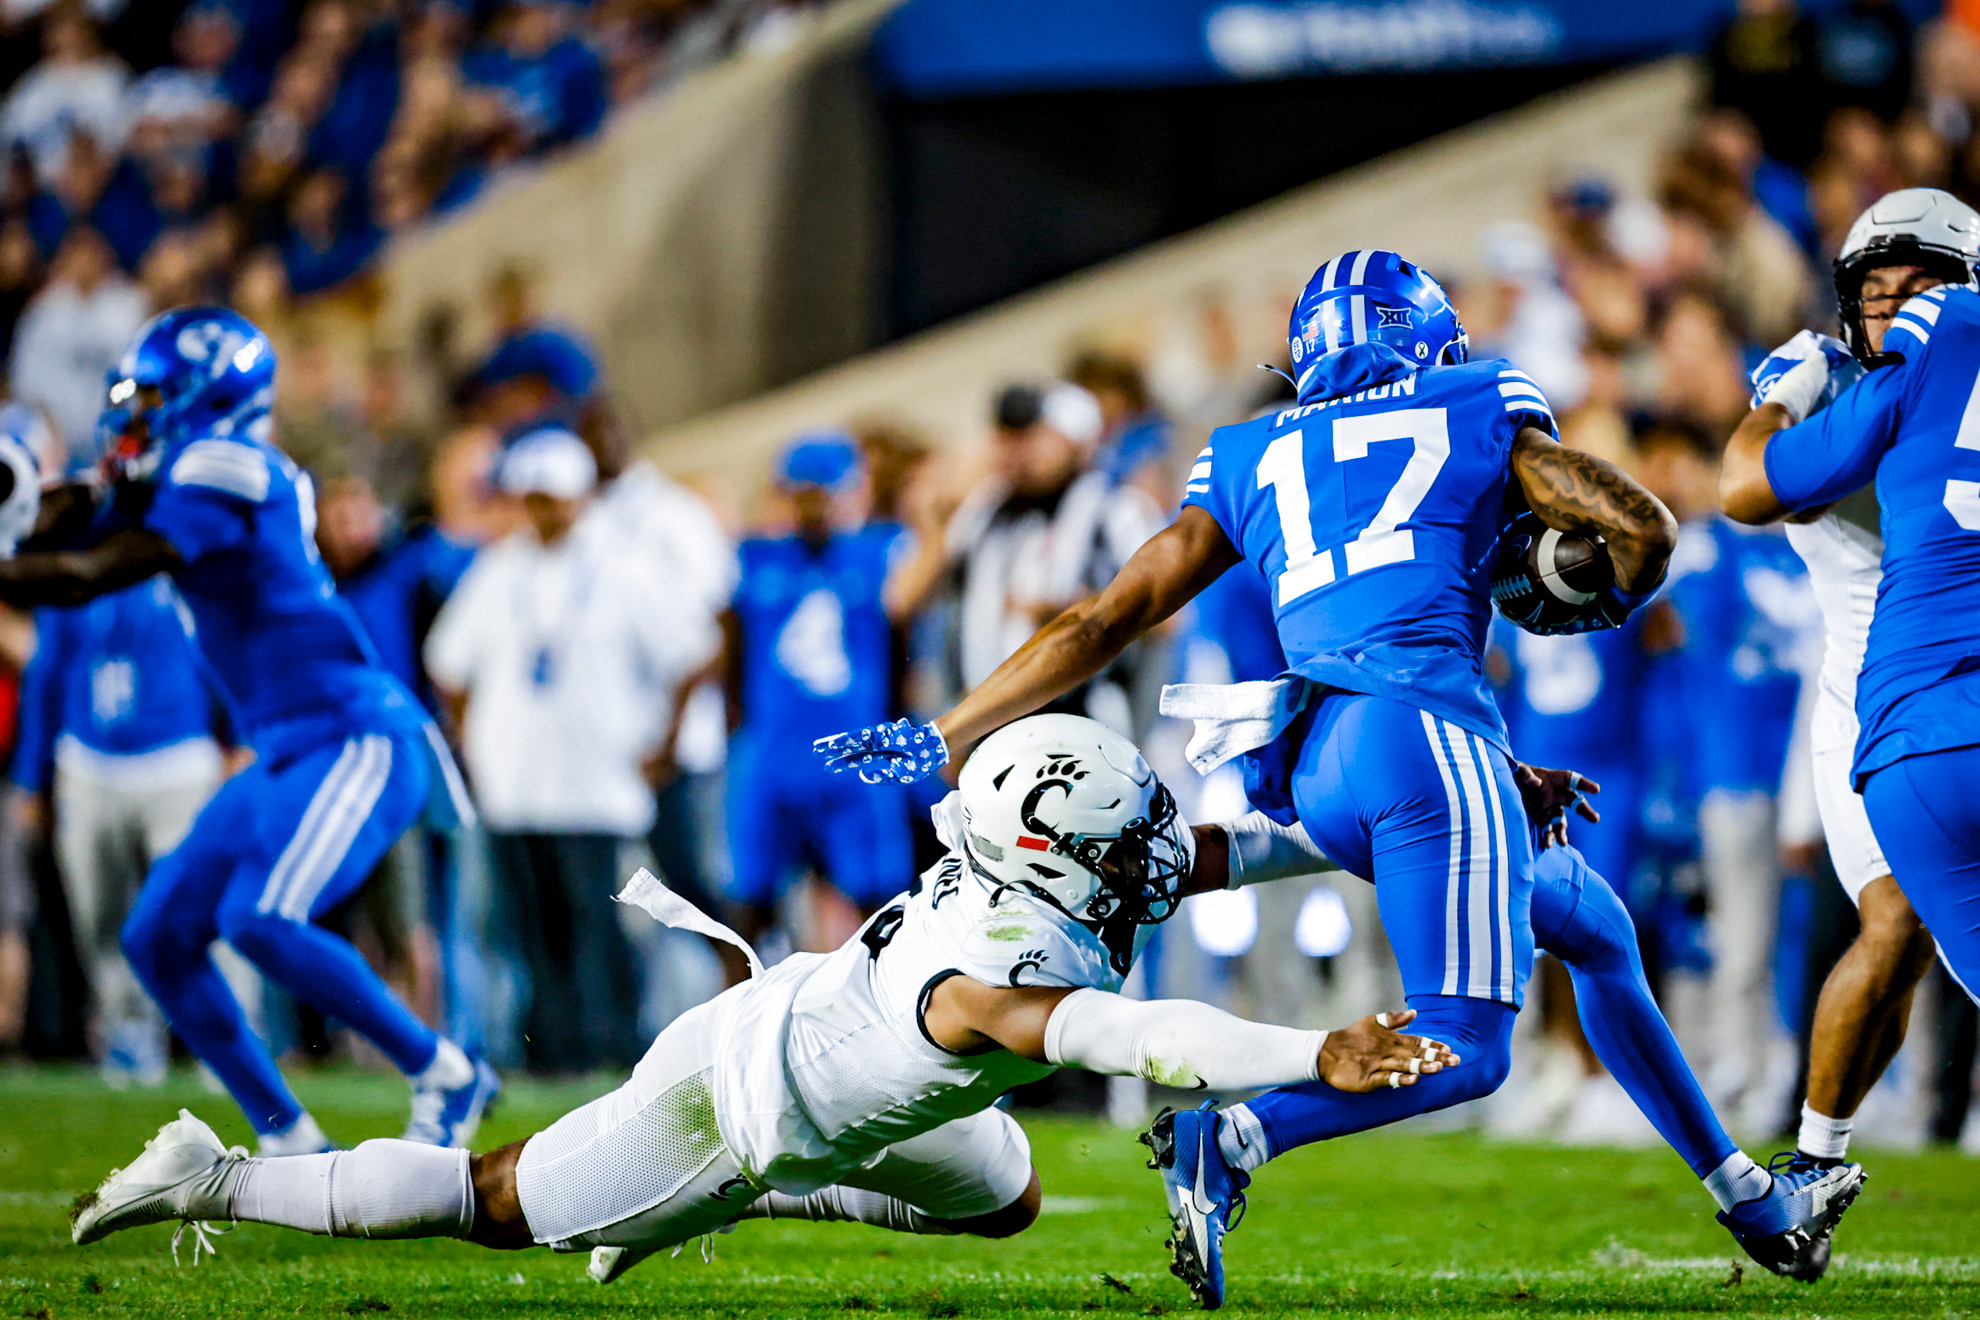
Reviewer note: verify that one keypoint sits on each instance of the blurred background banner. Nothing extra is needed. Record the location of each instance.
(934, 49)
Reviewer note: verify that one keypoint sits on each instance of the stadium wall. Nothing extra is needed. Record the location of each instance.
(1429, 201)
(714, 241)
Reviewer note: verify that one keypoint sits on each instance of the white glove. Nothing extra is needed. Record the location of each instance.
(1805, 374)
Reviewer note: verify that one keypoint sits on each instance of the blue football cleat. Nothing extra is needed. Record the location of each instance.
(1206, 1197)
(447, 1116)
(1788, 1229)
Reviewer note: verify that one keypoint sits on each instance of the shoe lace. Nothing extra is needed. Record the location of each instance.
(1235, 1215)
(203, 1231)
(1789, 1161)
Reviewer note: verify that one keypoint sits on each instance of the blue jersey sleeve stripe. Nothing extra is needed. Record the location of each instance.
(1922, 307)
(225, 466)
(1917, 331)
(1516, 391)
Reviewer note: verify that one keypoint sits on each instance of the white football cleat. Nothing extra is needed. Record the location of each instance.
(177, 1177)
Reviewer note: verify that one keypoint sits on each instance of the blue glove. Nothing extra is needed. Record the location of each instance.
(1611, 608)
(1790, 377)
(901, 751)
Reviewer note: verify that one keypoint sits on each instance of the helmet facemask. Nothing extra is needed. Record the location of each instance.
(1943, 264)
(1141, 869)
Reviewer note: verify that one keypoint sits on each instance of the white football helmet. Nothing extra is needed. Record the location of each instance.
(1066, 809)
(24, 434)
(1910, 227)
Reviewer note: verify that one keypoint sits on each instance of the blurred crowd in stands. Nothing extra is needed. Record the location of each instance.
(634, 667)
(263, 152)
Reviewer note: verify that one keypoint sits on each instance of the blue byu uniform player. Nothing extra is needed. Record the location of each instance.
(344, 757)
(810, 652)
(1374, 507)
(117, 724)
(1913, 424)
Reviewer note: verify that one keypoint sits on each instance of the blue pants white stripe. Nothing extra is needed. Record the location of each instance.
(280, 845)
(1430, 812)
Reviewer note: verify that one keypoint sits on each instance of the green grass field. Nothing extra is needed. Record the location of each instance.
(1413, 1225)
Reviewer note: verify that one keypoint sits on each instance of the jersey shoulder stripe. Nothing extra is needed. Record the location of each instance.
(223, 465)
(1199, 475)
(1911, 330)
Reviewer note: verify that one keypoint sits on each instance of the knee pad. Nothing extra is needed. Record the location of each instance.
(1479, 1031)
(1579, 919)
(255, 935)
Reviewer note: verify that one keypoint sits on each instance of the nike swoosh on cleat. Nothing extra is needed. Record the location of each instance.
(1199, 1202)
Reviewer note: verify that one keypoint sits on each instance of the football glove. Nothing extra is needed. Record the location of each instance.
(1805, 374)
(1611, 608)
(901, 751)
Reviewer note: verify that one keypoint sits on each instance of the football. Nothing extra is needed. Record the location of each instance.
(1545, 578)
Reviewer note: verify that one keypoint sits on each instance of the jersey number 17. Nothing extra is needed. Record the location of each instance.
(1385, 539)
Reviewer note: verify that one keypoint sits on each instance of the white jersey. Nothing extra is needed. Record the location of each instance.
(1845, 565)
(824, 1062)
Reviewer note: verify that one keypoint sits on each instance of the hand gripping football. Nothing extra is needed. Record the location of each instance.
(1548, 581)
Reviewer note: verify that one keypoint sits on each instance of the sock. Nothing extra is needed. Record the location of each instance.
(1241, 1139)
(382, 1189)
(1822, 1137)
(1479, 1030)
(451, 1068)
(847, 1205)
(1738, 1179)
(1594, 937)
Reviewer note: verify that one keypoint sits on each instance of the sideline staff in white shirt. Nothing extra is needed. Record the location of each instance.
(558, 655)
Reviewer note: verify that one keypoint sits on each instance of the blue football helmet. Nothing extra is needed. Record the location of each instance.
(1373, 296)
(215, 376)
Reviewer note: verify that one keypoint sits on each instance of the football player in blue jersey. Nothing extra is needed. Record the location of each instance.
(1375, 507)
(1911, 425)
(345, 759)
(808, 649)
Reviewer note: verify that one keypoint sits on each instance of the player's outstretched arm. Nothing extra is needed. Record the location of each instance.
(1170, 568)
(1572, 492)
(1745, 493)
(70, 577)
(1176, 1042)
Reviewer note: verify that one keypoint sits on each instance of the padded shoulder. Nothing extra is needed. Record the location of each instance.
(228, 466)
(1019, 942)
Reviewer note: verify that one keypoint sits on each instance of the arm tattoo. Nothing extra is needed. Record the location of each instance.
(1574, 491)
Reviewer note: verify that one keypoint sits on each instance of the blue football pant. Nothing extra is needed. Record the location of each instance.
(276, 848)
(1430, 811)
(1579, 919)
(1566, 907)
(1925, 811)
